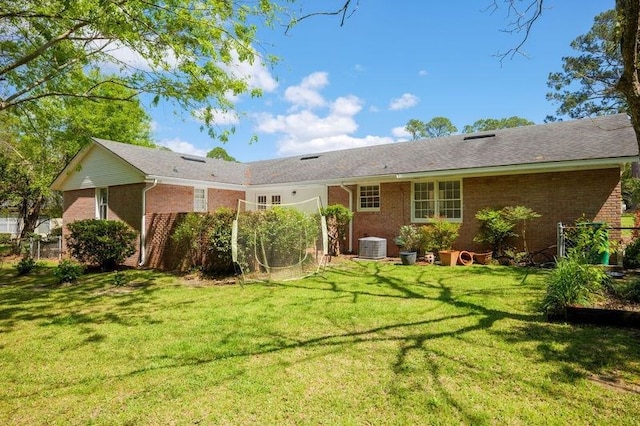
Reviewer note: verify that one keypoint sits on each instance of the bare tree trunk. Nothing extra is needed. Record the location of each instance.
(629, 20)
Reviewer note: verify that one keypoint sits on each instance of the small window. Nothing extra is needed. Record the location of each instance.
(275, 199)
(199, 199)
(102, 203)
(262, 202)
(437, 199)
(369, 197)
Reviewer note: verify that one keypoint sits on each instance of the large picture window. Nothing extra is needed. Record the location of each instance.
(102, 203)
(434, 199)
(369, 197)
(199, 199)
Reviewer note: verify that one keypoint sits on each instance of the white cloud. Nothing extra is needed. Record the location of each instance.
(405, 101)
(423, 73)
(183, 147)
(307, 93)
(306, 131)
(255, 74)
(359, 68)
(400, 132)
(331, 143)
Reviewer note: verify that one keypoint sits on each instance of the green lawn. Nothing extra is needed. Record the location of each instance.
(363, 343)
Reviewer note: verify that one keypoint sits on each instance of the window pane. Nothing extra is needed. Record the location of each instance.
(369, 196)
(199, 200)
(275, 199)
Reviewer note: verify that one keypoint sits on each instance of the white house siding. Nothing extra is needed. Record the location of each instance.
(100, 168)
(288, 194)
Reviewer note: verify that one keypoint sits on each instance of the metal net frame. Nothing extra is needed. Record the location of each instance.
(279, 242)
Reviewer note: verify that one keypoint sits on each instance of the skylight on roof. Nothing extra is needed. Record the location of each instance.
(196, 159)
(310, 157)
(488, 135)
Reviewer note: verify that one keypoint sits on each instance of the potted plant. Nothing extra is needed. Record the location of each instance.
(441, 235)
(409, 242)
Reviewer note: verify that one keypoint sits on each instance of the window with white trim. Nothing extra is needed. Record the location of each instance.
(199, 199)
(368, 197)
(274, 200)
(434, 199)
(102, 203)
(262, 202)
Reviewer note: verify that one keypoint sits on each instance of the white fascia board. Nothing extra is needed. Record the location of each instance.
(193, 182)
(561, 166)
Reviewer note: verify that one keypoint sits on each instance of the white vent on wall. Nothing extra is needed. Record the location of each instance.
(372, 248)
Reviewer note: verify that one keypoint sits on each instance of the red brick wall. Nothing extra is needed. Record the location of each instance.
(223, 198)
(170, 199)
(558, 197)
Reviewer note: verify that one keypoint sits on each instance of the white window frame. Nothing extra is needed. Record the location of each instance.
(369, 197)
(200, 203)
(265, 201)
(438, 200)
(102, 204)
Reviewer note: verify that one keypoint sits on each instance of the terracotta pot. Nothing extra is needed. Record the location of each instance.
(482, 258)
(448, 257)
(465, 258)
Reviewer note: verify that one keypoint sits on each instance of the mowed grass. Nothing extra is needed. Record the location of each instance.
(362, 343)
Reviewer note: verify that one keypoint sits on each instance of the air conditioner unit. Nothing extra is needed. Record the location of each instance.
(372, 248)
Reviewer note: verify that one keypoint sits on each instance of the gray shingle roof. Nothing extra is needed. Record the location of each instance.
(161, 162)
(600, 138)
(586, 139)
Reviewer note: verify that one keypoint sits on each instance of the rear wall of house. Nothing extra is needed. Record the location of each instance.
(125, 204)
(557, 197)
(163, 204)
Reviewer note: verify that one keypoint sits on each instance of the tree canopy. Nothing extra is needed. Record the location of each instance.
(486, 124)
(434, 128)
(183, 51)
(221, 153)
(36, 147)
(587, 84)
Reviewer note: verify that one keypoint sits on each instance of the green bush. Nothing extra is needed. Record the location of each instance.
(5, 238)
(409, 239)
(25, 265)
(573, 282)
(631, 259)
(497, 226)
(68, 271)
(204, 241)
(106, 243)
(438, 235)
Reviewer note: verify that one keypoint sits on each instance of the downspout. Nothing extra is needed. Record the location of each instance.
(350, 192)
(143, 224)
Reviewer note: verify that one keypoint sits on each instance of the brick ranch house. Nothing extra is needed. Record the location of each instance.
(561, 170)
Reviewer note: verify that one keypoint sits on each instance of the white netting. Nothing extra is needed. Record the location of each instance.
(279, 242)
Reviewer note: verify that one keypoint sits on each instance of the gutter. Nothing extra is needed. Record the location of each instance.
(143, 224)
(350, 192)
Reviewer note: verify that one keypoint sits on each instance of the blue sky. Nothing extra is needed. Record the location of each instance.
(356, 85)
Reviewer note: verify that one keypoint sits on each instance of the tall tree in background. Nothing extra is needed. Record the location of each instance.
(434, 128)
(416, 129)
(221, 153)
(486, 124)
(588, 83)
(44, 141)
